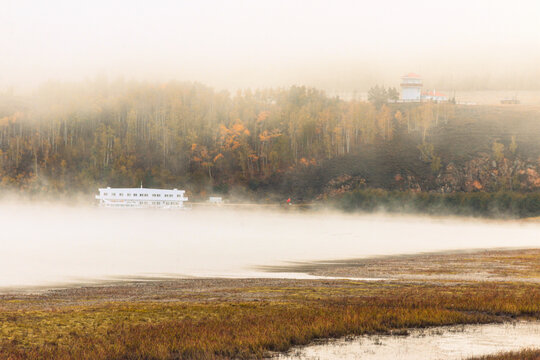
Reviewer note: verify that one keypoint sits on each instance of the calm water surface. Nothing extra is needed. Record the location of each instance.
(454, 342)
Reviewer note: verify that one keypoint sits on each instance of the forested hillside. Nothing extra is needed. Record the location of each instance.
(74, 137)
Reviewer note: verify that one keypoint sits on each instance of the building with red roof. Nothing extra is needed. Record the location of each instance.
(434, 95)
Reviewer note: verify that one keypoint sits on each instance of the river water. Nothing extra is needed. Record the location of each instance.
(50, 244)
(452, 342)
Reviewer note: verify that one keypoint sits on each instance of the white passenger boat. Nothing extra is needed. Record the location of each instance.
(141, 198)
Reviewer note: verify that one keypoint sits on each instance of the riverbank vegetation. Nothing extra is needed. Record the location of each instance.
(295, 142)
(219, 319)
(498, 204)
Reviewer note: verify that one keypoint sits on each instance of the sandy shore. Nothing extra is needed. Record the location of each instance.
(521, 265)
(516, 265)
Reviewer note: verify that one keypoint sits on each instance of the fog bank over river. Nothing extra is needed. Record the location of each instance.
(51, 244)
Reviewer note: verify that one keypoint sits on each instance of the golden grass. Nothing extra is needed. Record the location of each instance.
(247, 321)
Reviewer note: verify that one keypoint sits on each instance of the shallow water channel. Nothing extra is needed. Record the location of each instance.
(449, 342)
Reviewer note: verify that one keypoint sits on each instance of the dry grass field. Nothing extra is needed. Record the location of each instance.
(244, 318)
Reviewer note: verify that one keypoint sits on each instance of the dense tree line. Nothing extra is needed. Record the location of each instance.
(492, 204)
(76, 136)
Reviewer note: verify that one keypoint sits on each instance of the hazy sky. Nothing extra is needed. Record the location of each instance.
(230, 44)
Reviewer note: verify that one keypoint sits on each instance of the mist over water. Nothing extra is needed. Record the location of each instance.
(49, 244)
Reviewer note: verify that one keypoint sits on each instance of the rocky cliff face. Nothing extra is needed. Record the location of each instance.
(340, 185)
(481, 173)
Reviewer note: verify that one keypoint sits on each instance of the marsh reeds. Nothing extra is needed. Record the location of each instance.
(254, 322)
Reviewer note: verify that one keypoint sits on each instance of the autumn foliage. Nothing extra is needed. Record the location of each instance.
(76, 136)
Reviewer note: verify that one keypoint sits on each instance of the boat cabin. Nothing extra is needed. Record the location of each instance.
(141, 198)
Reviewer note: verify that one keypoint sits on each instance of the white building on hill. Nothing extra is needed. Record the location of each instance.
(141, 198)
(411, 87)
(411, 90)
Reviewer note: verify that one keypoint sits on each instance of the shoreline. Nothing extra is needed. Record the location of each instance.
(494, 265)
(378, 268)
(353, 269)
